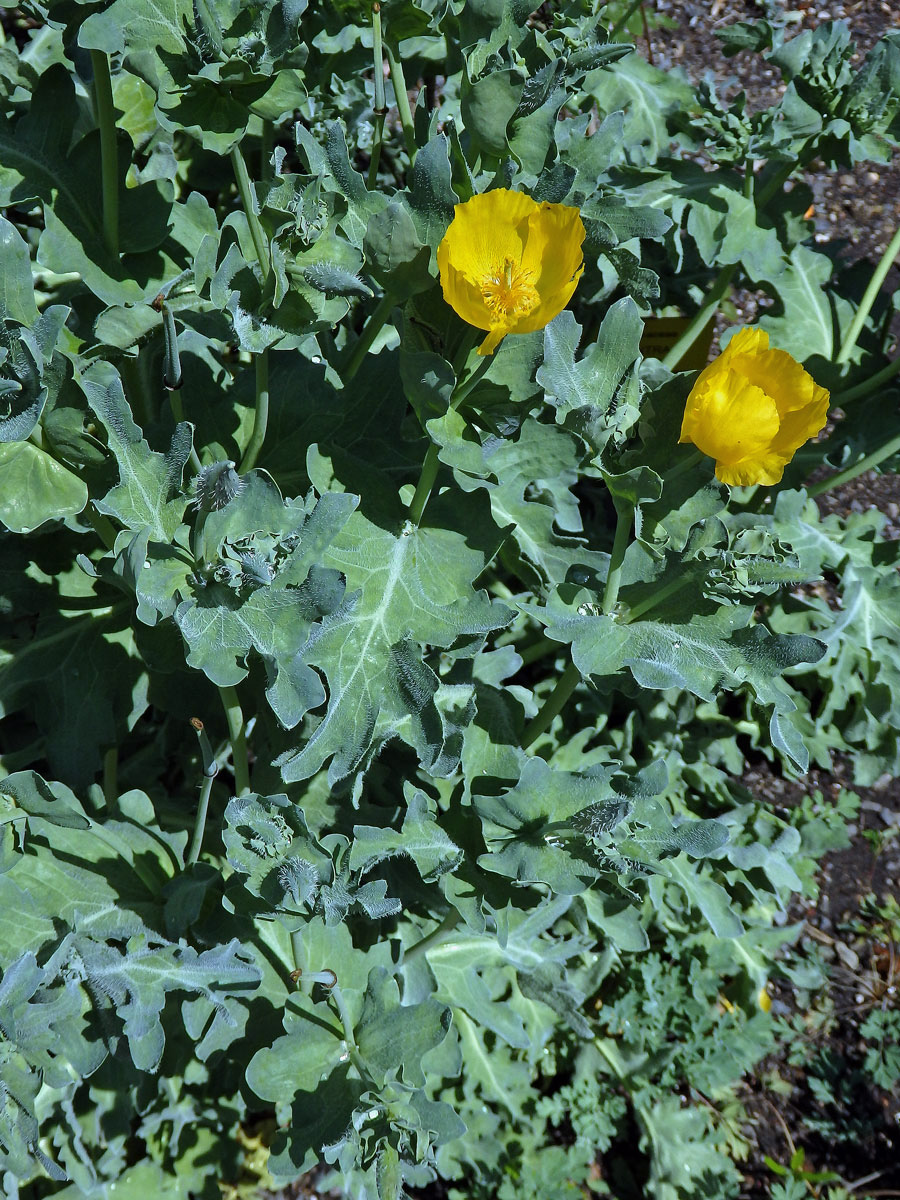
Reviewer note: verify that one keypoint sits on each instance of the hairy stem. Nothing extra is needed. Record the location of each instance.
(376, 321)
(111, 776)
(200, 819)
(624, 521)
(552, 706)
(402, 97)
(260, 415)
(137, 390)
(248, 202)
(379, 105)
(624, 19)
(424, 944)
(237, 735)
(102, 525)
(109, 162)
(431, 464)
(869, 297)
(707, 309)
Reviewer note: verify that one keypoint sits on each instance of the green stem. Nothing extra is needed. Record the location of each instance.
(417, 949)
(177, 408)
(402, 97)
(265, 150)
(237, 735)
(261, 414)
(698, 322)
(136, 390)
(552, 706)
(624, 521)
(675, 585)
(426, 483)
(865, 464)
(538, 650)
(352, 1049)
(248, 202)
(379, 104)
(869, 297)
(431, 464)
(376, 321)
(624, 19)
(200, 820)
(723, 279)
(687, 464)
(102, 525)
(111, 776)
(885, 375)
(109, 161)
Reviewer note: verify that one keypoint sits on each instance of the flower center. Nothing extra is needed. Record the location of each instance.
(509, 291)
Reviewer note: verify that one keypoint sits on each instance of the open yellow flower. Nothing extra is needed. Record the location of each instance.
(752, 409)
(509, 264)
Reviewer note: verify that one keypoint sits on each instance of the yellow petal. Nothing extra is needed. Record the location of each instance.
(486, 230)
(802, 424)
(463, 296)
(752, 409)
(728, 418)
(750, 340)
(508, 264)
(766, 467)
(549, 307)
(553, 247)
(493, 340)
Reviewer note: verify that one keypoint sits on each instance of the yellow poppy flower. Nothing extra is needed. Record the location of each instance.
(752, 409)
(509, 264)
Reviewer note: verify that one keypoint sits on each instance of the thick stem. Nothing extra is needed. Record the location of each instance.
(248, 202)
(431, 464)
(111, 776)
(698, 322)
(237, 736)
(624, 521)
(376, 321)
(552, 706)
(265, 150)
(624, 19)
(687, 464)
(865, 464)
(109, 162)
(426, 483)
(723, 279)
(349, 1037)
(417, 949)
(379, 104)
(200, 820)
(675, 585)
(402, 97)
(869, 297)
(177, 408)
(172, 375)
(137, 391)
(260, 416)
(872, 384)
(103, 527)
